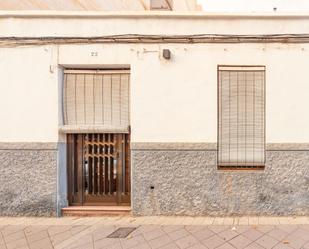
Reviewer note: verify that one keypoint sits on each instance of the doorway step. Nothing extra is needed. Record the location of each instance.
(96, 211)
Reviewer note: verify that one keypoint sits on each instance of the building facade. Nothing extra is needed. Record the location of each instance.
(194, 114)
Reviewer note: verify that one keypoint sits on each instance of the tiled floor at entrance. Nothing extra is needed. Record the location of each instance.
(155, 232)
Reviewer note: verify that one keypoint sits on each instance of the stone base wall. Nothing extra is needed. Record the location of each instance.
(28, 181)
(186, 181)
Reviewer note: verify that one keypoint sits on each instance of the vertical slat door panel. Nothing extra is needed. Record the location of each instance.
(99, 169)
(80, 99)
(241, 117)
(96, 99)
(89, 107)
(107, 99)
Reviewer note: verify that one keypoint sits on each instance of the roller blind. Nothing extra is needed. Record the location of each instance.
(241, 129)
(96, 100)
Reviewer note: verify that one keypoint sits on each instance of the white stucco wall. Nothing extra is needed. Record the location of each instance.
(171, 101)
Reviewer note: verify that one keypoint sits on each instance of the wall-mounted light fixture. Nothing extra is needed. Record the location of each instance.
(166, 54)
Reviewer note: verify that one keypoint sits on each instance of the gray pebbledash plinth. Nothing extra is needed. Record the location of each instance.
(186, 181)
(28, 179)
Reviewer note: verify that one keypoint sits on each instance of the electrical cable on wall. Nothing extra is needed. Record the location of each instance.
(139, 38)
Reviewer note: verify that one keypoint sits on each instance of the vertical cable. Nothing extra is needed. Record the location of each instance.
(245, 74)
(254, 160)
(229, 116)
(120, 80)
(93, 95)
(102, 83)
(65, 99)
(84, 98)
(220, 89)
(75, 98)
(237, 123)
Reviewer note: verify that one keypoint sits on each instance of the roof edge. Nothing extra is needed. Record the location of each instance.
(150, 14)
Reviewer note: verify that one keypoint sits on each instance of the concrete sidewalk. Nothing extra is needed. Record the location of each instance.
(155, 232)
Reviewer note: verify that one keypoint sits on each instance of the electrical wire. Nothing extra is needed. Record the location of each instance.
(140, 38)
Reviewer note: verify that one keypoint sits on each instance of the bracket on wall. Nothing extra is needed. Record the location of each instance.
(167, 54)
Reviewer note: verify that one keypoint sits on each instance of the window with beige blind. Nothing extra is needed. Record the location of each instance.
(96, 101)
(241, 117)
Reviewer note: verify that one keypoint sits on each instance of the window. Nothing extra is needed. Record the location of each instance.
(161, 4)
(241, 116)
(96, 101)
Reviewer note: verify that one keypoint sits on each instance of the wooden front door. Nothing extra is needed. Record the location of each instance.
(98, 169)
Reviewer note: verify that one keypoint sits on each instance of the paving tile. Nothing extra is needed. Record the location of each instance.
(60, 237)
(277, 234)
(14, 236)
(106, 243)
(39, 233)
(41, 244)
(218, 229)
(144, 246)
(197, 246)
(82, 241)
(240, 241)
(186, 242)
(34, 229)
(1, 239)
(301, 233)
(131, 242)
(12, 229)
(267, 241)
(265, 228)
(254, 245)
(116, 245)
(87, 246)
(159, 241)
(178, 234)
(194, 228)
(226, 246)
(306, 226)
(213, 242)
(153, 234)
(281, 246)
(294, 242)
(53, 230)
(241, 229)
(287, 228)
(172, 228)
(135, 233)
(169, 246)
(306, 246)
(102, 232)
(17, 244)
(147, 228)
(37, 236)
(228, 234)
(77, 229)
(203, 234)
(252, 234)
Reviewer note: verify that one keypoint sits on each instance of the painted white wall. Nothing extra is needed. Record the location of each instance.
(28, 95)
(171, 101)
(162, 22)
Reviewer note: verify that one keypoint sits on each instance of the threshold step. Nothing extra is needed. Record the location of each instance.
(96, 211)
